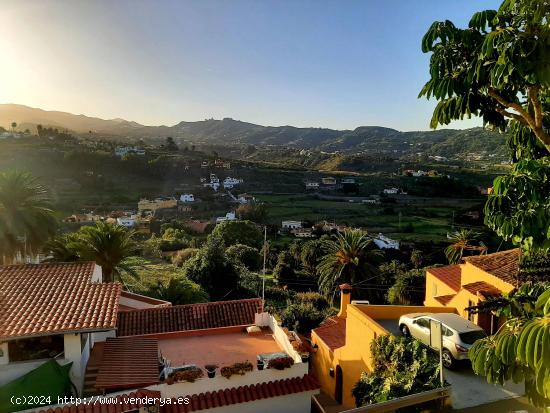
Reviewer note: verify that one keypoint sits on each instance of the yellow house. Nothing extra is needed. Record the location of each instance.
(476, 279)
(342, 344)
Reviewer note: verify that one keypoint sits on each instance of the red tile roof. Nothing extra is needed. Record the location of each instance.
(38, 299)
(503, 265)
(333, 332)
(445, 299)
(188, 317)
(482, 288)
(128, 402)
(128, 363)
(450, 275)
(244, 394)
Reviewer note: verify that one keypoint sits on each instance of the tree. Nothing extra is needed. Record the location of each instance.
(497, 69)
(244, 255)
(212, 269)
(252, 212)
(284, 271)
(348, 259)
(462, 241)
(13, 126)
(416, 258)
(409, 288)
(239, 232)
(312, 251)
(26, 217)
(520, 350)
(171, 145)
(109, 245)
(401, 366)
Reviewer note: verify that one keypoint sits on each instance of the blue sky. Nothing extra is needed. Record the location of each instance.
(337, 64)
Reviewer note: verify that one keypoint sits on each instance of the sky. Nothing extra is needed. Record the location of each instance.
(324, 63)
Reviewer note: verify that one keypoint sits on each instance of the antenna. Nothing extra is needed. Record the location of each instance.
(263, 270)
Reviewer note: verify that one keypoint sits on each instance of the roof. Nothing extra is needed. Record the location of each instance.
(332, 332)
(244, 394)
(450, 275)
(128, 362)
(482, 288)
(503, 265)
(148, 301)
(454, 321)
(127, 402)
(41, 299)
(445, 299)
(188, 317)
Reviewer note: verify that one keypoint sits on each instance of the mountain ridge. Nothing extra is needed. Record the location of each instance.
(231, 131)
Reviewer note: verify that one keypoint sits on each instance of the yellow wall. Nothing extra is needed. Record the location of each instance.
(355, 356)
(435, 287)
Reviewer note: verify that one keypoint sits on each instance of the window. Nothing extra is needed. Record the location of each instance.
(35, 348)
(446, 331)
(434, 289)
(423, 322)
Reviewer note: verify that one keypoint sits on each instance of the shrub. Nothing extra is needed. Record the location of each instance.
(302, 317)
(237, 368)
(244, 255)
(316, 299)
(189, 374)
(280, 363)
(401, 366)
(184, 255)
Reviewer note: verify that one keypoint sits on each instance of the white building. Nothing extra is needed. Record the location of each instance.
(70, 309)
(230, 216)
(312, 185)
(123, 151)
(391, 191)
(128, 222)
(244, 199)
(187, 198)
(230, 183)
(384, 242)
(289, 225)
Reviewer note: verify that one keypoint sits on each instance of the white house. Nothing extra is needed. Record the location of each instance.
(245, 199)
(310, 185)
(128, 222)
(230, 183)
(289, 225)
(391, 191)
(187, 198)
(57, 309)
(384, 242)
(122, 151)
(230, 216)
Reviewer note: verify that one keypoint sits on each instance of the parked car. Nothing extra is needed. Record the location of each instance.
(458, 333)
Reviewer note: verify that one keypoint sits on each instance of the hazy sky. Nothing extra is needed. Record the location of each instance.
(337, 64)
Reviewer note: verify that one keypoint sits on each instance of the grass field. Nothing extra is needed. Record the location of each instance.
(401, 221)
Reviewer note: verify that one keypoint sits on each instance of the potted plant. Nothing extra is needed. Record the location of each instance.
(280, 363)
(211, 370)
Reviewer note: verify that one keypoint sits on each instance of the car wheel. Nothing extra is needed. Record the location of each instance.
(448, 359)
(405, 330)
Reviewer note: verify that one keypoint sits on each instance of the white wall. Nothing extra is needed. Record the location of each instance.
(267, 320)
(102, 336)
(219, 382)
(12, 371)
(74, 354)
(4, 356)
(97, 275)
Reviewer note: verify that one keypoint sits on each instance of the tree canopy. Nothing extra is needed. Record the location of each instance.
(499, 69)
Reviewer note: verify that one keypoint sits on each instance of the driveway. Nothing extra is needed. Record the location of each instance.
(469, 390)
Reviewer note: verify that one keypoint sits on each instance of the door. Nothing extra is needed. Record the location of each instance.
(338, 389)
(421, 330)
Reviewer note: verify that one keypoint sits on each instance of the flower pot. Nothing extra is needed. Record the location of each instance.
(260, 365)
(211, 373)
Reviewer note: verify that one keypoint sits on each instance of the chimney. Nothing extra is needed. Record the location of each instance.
(345, 299)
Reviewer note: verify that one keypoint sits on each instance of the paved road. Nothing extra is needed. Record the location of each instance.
(470, 390)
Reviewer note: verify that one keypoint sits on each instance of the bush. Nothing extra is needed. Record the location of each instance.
(401, 366)
(244, 255)
(316, 299)
(409, 288)
(302, 317)
(239, 232)
(280, 363)
(184, 255)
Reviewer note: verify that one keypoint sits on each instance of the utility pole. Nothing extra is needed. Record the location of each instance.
(263, 270)
(399, 219)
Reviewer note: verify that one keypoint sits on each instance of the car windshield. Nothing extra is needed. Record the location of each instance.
(472, 336)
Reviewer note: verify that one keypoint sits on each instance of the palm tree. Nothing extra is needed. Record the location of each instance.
(26, 218)
(347, 259)
(109, 245)
(461, 241)
(13, 126)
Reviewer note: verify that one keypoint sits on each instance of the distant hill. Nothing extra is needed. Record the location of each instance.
(445, 142)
